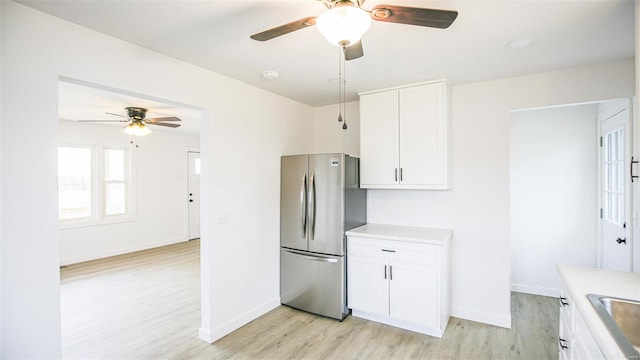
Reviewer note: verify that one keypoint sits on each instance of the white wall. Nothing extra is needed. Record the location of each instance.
(244, 131)
(161, 181)
(329, 137)
(477, 206)
(554, 194)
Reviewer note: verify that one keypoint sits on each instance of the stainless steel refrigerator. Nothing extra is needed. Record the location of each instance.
(320, 199)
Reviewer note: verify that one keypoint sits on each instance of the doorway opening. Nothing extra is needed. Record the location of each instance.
(155, 234)
(556, 192)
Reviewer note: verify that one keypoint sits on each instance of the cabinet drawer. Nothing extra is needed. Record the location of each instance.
(566, 308)
(393, 250)
(565, 339)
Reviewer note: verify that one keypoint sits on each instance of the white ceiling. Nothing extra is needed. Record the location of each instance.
(214, 34)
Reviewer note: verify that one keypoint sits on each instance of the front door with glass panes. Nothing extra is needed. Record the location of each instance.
(615, 155)
(194, 195)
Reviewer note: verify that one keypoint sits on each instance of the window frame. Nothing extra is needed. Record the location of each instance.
(99, 183)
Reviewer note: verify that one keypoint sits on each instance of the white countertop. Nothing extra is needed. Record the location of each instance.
(581, 281)
(402, 233)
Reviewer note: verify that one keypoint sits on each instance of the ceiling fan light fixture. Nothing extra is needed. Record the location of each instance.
(137, 128)
(343, 25)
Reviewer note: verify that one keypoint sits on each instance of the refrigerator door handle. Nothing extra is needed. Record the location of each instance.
(303, 205)
(312, 206)
(314, 258)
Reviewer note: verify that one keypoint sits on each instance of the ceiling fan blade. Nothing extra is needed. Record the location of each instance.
(114, 114)
(284, 29)
(440, 19)
(353, 51)
(165, 124)
(154, 120)
(120, 121)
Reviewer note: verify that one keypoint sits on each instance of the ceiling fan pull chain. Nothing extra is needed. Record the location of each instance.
(344, 90)
(339, 86)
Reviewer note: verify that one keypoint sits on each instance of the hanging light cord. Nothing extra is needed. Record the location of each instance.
(342, 88)
(340, 85)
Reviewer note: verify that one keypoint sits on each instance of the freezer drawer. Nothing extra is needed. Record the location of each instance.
(313, 283)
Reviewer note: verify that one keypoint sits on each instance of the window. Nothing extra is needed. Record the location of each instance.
(115, 182)
(94, 185)
(614, 176)
(75, 190)
(197, 166)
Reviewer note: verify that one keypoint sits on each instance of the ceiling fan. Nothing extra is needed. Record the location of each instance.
(345, 22)
(136, 117)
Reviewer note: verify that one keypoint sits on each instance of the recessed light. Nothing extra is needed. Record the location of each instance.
(519, 43)
(270, 75)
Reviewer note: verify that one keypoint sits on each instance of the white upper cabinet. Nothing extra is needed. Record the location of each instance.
(404, 137)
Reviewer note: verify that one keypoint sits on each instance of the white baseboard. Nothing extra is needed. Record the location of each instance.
(211, 335)
(535, 290)
(120, 251)
(431, 331)
(501, 320)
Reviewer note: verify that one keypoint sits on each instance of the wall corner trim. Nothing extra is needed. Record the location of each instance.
(212, 335)
(501, 320)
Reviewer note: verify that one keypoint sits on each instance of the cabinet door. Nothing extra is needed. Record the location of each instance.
(423, 135)
(413, 293)
(367, 286)
(379, 138)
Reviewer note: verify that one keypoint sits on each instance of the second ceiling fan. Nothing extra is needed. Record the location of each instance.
(137, 121)
(345, 22)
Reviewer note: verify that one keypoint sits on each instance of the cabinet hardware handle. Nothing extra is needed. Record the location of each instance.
(312, 206)
(387, 250)
(400, 174)
(562, 346)
(563, 301)
(621, 241)
(633, 177)
(396, 174)
(385, 272)
(303, 205)
(390, 272)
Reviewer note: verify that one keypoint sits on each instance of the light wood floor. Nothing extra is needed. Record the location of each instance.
(146, 305)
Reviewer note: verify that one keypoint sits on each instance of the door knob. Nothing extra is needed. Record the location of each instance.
(621, 241)
(190, 200)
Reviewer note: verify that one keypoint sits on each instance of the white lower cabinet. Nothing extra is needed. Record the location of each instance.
(399, 283)
(575, 341)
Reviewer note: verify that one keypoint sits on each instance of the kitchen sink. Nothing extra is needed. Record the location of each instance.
(622, 319)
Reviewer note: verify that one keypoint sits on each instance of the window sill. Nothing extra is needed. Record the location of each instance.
(111, 220)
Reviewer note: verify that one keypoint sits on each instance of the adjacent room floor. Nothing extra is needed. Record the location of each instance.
(146, 305)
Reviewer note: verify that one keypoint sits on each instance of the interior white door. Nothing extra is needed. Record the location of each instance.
(194, 195)
(615, 155)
